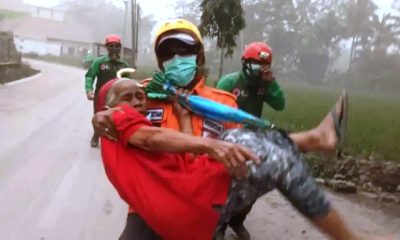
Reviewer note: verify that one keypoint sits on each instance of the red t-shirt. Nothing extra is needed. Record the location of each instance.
(173, 193)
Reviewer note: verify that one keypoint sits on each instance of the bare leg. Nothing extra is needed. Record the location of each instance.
(94, 142)
(323, 138)
(282, 167)
(333, 225)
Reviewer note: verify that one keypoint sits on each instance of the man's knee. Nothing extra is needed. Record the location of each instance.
(137, 229)
(239, 217)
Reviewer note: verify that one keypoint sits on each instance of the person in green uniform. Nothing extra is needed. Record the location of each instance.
(103, 69)
(253, 86)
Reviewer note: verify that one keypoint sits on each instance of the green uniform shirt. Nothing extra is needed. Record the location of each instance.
(104, 70)
(251, 98)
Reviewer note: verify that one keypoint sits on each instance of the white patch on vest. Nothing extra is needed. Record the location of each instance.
(212, 129)
(264, 55)
(155, 114)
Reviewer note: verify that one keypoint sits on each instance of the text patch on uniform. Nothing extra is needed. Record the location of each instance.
(212, 128)
(155, 114)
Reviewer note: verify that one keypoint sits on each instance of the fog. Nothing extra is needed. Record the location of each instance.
(323, 41)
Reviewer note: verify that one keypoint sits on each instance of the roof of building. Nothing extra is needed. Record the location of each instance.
(13, 5)
(43, 29)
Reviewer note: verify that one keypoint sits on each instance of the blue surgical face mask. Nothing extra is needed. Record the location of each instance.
(180, 70)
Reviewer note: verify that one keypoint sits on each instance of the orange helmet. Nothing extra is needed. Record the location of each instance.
(258, 51)
(112, 38)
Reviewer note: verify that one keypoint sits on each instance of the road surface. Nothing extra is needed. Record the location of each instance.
(53, 186)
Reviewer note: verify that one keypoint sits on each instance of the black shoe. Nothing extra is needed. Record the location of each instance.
(220, 231)
(219, 235)
(242, 232)
(94, 143)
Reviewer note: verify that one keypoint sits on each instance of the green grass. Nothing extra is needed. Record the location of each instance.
(8, 14)
(374, 119)
(65, 60)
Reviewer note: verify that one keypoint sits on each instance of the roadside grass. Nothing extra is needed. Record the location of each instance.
(8, 14)
(64, 60)
(13, 74)
(374, 118)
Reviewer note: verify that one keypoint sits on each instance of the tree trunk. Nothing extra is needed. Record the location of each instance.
(352, 52)
(221, 63)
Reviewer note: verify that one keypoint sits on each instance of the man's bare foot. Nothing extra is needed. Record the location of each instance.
(391, 237)
(387, 238)
(332, 129)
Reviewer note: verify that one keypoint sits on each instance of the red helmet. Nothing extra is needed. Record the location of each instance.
(258, 51)
(112, 38)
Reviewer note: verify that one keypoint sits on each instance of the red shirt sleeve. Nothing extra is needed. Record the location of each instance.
(127, 122)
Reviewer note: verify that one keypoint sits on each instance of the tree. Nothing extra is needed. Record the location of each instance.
(304, 34)
(223, 20)
(307, 35)
(360, 14)
(377, 67)
(396, 4)
(87, 12)
(319, 34)
(147, 24)
(395, 23)
(255, 18)
(385, 32)
(279, 19)
(189, 10)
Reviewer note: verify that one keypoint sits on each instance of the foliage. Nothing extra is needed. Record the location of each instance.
(8, 14)
(373, 125)
(111, 21)
(189, 10)
(310, 37)
(65, 60)
(223, 20)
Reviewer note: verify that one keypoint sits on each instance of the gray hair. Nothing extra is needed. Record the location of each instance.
(111, 98)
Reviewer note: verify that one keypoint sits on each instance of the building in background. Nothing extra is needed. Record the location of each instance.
(46, 13)
(42, 36)
(42, 31)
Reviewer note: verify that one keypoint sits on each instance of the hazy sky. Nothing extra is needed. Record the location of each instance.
(165, 9)
(160, 9)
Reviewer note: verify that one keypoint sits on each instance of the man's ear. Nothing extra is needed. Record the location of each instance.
(105, 108)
